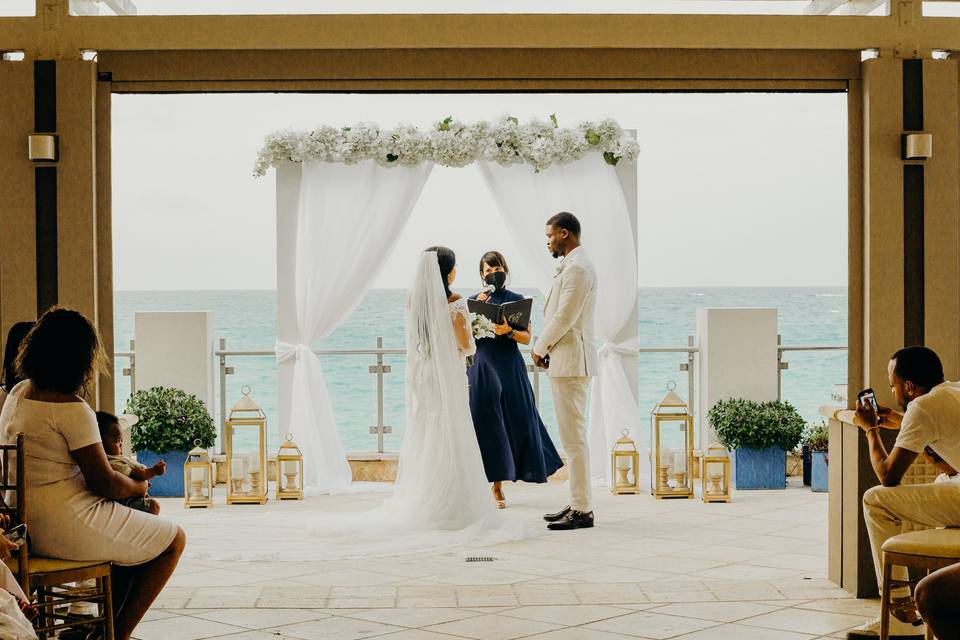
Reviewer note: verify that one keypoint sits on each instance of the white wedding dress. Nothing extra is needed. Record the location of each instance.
(441, 497)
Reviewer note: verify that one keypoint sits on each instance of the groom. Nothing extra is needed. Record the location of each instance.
(565, 348)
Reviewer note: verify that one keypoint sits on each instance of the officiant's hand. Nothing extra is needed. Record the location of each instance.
(483, 296)
(502, 329)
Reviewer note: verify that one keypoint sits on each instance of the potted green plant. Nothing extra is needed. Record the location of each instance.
(171, 422)
(816, 437)
(759, 434)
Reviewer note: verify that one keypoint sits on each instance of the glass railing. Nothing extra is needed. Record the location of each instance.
(366, 386)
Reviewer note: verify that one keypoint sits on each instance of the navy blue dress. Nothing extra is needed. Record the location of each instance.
(513, 441)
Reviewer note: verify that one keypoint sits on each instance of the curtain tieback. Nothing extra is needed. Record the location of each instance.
(607, 349)
(287, 351)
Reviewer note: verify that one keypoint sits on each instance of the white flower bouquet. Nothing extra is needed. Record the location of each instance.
(482, 326)
(451, 143)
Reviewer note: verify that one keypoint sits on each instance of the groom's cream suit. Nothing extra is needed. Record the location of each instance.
(567, 338)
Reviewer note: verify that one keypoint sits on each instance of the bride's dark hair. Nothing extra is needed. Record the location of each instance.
(447, 260)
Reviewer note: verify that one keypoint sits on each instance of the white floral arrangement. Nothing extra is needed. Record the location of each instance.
(451, 143)
(482, 326)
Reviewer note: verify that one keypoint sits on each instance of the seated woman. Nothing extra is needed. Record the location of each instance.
(72, 510)
(513, 440)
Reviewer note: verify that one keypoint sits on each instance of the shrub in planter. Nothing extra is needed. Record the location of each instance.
(759, 434)
(171, 421)
(817, 438)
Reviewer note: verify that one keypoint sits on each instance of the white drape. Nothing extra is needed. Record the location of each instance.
(348, 221)
(588, 188)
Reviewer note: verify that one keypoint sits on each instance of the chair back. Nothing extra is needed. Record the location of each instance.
(13, 498)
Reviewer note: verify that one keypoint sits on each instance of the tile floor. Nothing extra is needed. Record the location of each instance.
(754, 569)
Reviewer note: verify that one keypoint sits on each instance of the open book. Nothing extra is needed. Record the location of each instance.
(516, 314)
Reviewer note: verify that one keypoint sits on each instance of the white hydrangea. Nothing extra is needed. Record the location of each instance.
(451, 143)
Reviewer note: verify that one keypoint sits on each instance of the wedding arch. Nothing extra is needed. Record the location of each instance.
(344, 194)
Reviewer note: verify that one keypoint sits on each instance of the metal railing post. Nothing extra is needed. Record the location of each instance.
(224, 372)
(133, 367)
(380, 369)
(781, 365)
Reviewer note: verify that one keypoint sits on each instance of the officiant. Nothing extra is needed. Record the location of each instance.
(513, 440)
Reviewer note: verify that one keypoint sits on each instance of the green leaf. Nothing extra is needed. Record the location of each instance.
(610, 159)
(513, 119)
(592, 137)
(444, 124)
(553, 119)
(391, 157)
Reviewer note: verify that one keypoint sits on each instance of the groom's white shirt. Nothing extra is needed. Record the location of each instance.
(567, 336)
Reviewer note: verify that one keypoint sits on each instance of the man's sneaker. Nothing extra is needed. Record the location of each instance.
(898, 630)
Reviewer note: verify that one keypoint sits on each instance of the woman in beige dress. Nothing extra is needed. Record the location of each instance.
(71, 511)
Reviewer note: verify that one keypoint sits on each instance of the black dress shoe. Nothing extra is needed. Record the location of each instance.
(553, 517)
(573, 520)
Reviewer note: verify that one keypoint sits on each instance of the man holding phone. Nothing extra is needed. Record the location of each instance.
(931, 418)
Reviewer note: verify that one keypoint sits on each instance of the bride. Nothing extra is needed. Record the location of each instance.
(441, 484)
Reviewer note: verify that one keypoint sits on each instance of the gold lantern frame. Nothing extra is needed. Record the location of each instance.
(193, 497)
(671, 409)
(246, 414)
(715, 454)
(289, 452)
(616, 486)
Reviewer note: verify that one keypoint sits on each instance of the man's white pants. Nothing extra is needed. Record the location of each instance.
(570, 401)
(890, 511)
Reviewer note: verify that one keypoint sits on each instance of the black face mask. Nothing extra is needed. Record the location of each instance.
(498, 279)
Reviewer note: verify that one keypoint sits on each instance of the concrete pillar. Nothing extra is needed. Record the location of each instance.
(175, 349)
(738, 359)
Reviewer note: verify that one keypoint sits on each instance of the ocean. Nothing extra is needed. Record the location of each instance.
(667, 316)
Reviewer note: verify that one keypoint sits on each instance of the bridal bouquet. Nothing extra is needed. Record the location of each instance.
(482, 326)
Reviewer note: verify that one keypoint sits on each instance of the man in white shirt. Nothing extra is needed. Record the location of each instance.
(931, 418)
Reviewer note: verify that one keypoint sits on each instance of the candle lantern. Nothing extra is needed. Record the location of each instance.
(289, 471)
(671, 450)
(198, 478)
(715, 474)
(625, 466)
(246, 449)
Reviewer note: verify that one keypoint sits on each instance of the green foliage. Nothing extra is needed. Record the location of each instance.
(816, 436)
(746, 424)
(170, 420)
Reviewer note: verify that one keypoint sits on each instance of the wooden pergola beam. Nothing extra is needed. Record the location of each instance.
(60, 35)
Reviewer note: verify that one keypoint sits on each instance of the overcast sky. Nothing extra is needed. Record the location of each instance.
(734, 189)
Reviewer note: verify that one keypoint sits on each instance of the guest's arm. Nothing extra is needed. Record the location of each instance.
(103, 480)
(889, 467)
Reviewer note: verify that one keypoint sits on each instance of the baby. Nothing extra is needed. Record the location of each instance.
(112, 436)
(947, 473)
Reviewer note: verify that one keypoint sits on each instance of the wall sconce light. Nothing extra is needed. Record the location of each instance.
(916, 146)
(43, 147)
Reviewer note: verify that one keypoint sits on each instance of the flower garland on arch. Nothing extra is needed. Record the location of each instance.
(451, 143)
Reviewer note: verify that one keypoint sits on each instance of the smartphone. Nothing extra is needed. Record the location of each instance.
(17, 535)
(869, 399)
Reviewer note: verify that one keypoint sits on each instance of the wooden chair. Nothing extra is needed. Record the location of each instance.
(49, 579)
(928, 550)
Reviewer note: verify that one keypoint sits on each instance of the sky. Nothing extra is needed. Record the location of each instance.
(733, 189)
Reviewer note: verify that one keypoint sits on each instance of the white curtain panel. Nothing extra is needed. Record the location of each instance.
(588, 188)
(349, 219)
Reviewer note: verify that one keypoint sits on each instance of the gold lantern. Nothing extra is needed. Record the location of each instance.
(715, 474)
(671, 450)
(197, 478)
(246, 452)
(289, 471)
(625, 466)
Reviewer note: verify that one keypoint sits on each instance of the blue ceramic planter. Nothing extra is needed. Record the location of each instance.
(819, 472)
(760, 468)
(170, 484)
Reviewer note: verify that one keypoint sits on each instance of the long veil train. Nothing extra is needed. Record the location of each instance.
(441, 497)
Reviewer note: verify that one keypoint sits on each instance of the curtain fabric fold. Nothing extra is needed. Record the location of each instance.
(590, 189)
(349, 218)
